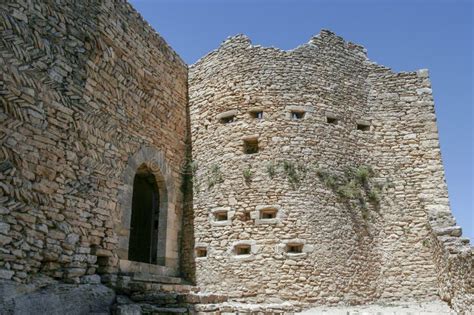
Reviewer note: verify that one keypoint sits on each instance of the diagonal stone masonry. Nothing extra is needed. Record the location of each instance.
(90, 93)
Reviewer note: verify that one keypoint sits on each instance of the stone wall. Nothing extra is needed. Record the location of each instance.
(343, 202)
(402, 114)
(353, 113)
(88, 92)
(404, 103)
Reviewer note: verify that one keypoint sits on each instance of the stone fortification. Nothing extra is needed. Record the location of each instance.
(285, 179)
(344, 153)
(89, 93)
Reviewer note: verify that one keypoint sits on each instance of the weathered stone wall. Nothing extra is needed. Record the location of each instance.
(403, 123)
(350, 253)
(408, 151)
(88, 93)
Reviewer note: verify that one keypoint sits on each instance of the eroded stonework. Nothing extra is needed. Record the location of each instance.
(285, 179)
(89, 92)
(322, 106)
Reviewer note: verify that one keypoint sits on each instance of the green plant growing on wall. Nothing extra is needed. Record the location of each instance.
(426, 242)
(363, 173)
(364, 212)
(188, 171)
(302, 170)
(329, 179)
(354, 184)
(193, 168)
(374, 195)
(247, 173)
(291, 173)
(214, 177)
(348, 190)
(271, 171)
(389, 183)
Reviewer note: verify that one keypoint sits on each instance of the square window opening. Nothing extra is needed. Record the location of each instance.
(268, 214)
(331, 120)
(251, 146)
(227, 120)
(257, 114)
(294, 248)
(242, 250)
(363, 127)
(220, 216)
(201, 252)
(297, 115)
(246, 216)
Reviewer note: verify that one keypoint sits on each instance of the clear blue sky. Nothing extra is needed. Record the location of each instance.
(403, 35)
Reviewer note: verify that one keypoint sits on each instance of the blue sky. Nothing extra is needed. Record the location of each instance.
(403, 35)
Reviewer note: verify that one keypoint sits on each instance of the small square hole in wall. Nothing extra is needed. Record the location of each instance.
(294, 248)
(256, 114)
(250, 146)
(332, 120)
(227, 119)
(246, 216)
(242, 249)
(201, 252)
(269, 213)
(220, 216)
(363, 127)
(297, 115)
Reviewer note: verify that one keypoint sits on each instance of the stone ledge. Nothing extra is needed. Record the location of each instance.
(452, 230)
(127, 266)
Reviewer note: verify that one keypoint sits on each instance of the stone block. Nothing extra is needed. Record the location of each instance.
(6, 274)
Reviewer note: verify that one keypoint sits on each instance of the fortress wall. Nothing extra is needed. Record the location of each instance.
(420, 228)
(403, 124)
(384, 251)
(89, 92)
(455, 265)
(87, 89)
(339, 260)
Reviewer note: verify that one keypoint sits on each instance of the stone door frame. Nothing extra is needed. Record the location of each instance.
(154, 159)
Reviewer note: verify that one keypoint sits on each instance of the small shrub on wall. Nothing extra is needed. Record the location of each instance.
(354, 184)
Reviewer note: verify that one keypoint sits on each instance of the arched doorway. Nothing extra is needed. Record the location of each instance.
(144, 224)
(163, 224)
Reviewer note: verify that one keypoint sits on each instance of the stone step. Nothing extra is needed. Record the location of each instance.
(116, 279)
(165, 310)
(148, 277)
(225, 308)
(244, 308)
(179, 288)
(139, 283)
(132, 309)
(166, 299)
(201, 298)
(160, 287)
(127, 266)
(155, 298)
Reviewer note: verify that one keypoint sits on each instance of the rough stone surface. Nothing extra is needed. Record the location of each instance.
(88, 92)
(426, 308)
(131, 309)
(353, 112)
(248, 147)
(55, 298)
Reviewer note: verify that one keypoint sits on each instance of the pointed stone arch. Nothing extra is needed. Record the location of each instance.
(155, 162)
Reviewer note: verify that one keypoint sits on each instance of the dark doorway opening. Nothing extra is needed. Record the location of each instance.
(143, 242)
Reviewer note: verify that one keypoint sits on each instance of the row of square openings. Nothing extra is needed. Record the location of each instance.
(359, 126)
(295, 115)
(264, 214)
(246, 249)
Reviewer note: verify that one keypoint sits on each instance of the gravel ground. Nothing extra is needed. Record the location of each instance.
(401, 308)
